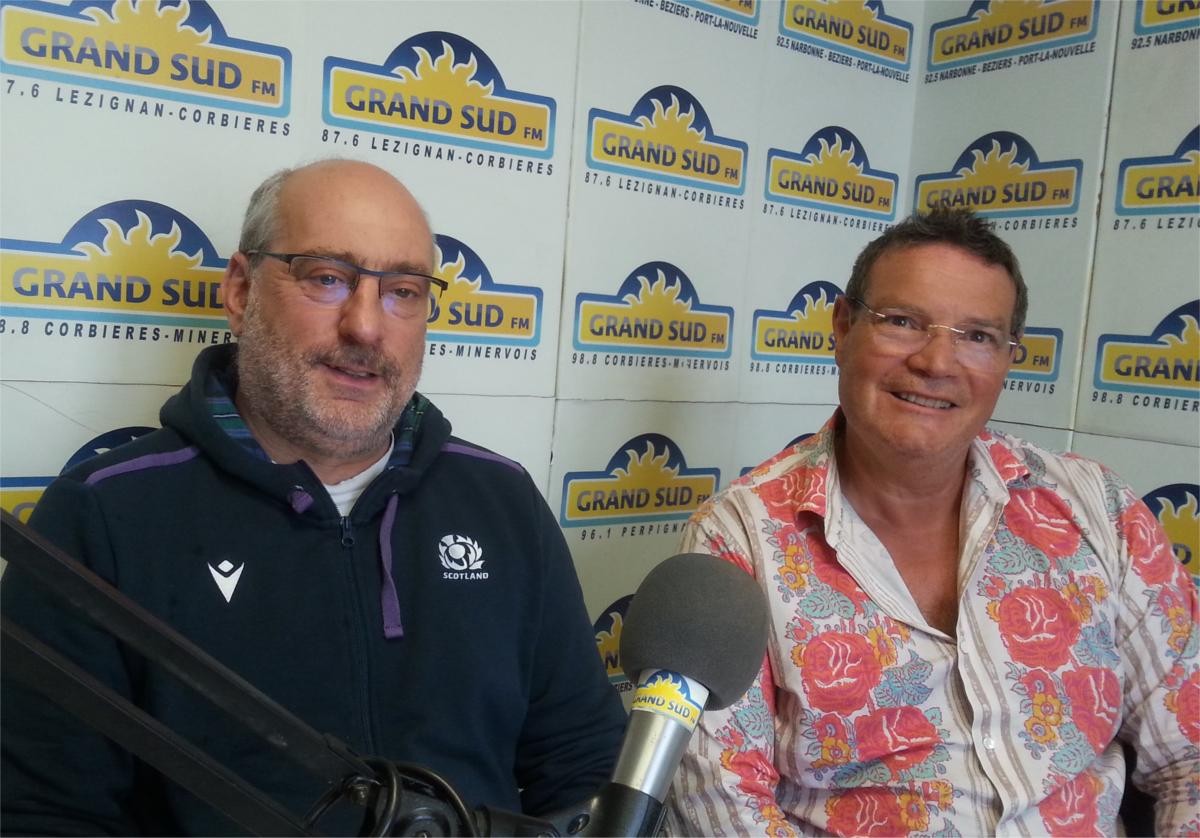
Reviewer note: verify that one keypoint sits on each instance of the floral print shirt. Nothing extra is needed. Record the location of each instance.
(1076, 627)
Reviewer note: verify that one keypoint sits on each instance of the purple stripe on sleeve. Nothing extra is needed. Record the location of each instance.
(392, 627)
(456, 448)
(141, 463)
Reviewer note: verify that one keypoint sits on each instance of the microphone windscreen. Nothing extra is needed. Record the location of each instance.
(702, 617)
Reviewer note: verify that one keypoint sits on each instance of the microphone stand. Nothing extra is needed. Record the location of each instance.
(398, 799)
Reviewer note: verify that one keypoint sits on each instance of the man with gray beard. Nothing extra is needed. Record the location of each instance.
(305, 516)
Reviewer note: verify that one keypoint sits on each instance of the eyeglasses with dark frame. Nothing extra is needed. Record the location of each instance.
(330, 282)
(977, 347)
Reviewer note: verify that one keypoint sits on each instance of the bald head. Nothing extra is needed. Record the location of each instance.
(351, 182)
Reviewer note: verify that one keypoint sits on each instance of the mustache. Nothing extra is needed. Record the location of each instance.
(357, 357)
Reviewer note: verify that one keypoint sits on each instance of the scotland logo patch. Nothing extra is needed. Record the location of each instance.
(462, 557)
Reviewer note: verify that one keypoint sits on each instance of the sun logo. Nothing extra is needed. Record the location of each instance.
(1166, 362)
(442, 76)
(658, 298)
(667, 694)
(656, 310)
(804, 331)
(473, 308)
(139, 250)
(671, 123)
(1182, 525)
(647, 479)
(831, 172)
(996, 165)
(164, 26)
(123, 257)
(442, 87)
(608, 642)
(647, 467)
(666, 136)
(836, 160)
(999, 175)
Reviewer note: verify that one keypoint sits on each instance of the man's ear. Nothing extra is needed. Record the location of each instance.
(235, 290)
(841, 322)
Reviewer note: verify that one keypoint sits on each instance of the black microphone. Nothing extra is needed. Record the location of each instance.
(693, 639)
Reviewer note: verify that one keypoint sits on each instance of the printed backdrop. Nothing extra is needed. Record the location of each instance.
(644, 209)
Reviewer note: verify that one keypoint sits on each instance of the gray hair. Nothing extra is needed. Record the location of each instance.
(954, 226)
(261, 223)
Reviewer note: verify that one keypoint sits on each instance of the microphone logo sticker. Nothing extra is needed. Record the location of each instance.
(665, 693)
(831, 172)
(226, 575)
(1177, 508)
(462, 557)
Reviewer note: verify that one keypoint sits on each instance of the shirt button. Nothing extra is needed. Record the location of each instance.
(989, 743)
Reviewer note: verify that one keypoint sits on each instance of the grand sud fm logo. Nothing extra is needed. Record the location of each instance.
(440, 87)
(831, 172)
(1164, 185)
(801, 332)
(991, 30)
(1164, 363)
(1177, 508)
(741, 11)
(655, 311)
(646, 480)
(1038, 355)
(608, 630)
(860, 28)
(173, 49)
(1158, 16)
(667, 136)
(128, 262)
(999, 176)
(667, 694)
(474, 308)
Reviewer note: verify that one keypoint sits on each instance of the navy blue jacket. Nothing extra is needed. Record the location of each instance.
(491, 675)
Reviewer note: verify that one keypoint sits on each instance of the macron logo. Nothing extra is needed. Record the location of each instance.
(462, 558)
(226, 575)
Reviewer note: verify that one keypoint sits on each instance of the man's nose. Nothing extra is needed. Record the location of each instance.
(362, 315)
(939, 355)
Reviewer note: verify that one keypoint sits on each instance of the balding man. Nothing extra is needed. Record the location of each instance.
(965, 627)
(305, 516)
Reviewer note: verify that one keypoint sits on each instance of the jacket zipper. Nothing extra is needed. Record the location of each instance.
(359, 643)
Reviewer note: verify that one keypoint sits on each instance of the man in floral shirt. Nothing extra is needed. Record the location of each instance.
(964, 627)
